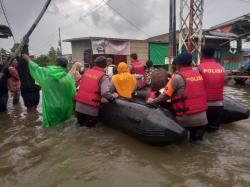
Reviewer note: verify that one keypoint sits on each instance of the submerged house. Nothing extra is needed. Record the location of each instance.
(86, 49)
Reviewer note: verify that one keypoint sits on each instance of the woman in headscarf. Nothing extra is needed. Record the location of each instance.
(76, 71)
(124, 82)
(14, 83)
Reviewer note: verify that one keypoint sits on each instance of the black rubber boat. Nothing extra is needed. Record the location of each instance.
(233, 111)
(153, 125)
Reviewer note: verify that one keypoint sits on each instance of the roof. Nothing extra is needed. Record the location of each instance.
(238, 25)
(99, 38)
(245, 17)
(162, 38)
(5, 31)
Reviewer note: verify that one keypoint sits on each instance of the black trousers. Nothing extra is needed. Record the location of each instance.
(214, 114)
(3, 102)
(30, 98)
(196, 133)
(86, 120)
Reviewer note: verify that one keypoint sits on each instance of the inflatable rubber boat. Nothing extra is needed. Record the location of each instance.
(233, 111)
(153, 125)
(156, 125)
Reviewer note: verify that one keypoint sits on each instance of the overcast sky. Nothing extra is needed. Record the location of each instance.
(82, 18)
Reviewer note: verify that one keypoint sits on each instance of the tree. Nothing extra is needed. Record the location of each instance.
(52, 56)
(42, 60)
(58, 52)
(3, 55)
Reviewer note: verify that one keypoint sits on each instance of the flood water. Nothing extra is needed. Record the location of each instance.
(71, 156)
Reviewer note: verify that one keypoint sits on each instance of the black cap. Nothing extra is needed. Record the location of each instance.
(61, 61)
(184, 58)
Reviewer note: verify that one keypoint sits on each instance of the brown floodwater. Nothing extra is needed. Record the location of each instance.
(71, 156)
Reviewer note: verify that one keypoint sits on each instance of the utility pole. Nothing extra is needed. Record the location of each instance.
(26, 37)
(172, 33)
(191, 22)
(60, 41)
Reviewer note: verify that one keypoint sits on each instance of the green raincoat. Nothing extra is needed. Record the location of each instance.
(58, 90)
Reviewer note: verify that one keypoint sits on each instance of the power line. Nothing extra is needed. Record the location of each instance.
(92, 10)
(95, 8)
(1, 21)
(99, 5)
(126, 19)
(6, 18)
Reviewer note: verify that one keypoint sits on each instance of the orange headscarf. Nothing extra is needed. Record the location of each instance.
(124, 82)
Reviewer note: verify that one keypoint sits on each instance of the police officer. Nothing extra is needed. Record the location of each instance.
(187, 92)
(213, 75)
(93, 86)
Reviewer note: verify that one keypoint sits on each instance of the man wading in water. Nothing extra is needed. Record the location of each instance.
(58, 90)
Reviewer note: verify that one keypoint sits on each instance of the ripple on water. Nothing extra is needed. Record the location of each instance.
(68, 155)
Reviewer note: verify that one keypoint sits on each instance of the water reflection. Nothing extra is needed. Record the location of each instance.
(68, 155)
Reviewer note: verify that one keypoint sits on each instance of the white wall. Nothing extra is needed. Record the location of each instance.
(78, 47)
(141, 48)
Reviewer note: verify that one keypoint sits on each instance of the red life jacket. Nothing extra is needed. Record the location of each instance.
(193, 100)
(89, 90)
(213, 75)
(138, 68)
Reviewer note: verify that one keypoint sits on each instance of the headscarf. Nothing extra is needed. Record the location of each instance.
(122, 68)
(124, 82)
(75, 71)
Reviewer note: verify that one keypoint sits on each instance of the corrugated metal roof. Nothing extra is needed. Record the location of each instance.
(164, 38)
(245, 17)
(221, 34)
